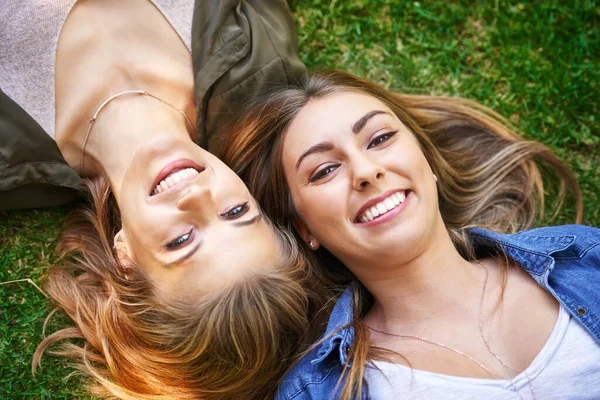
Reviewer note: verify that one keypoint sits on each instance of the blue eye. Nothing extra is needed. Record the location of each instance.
(381, 139)
(236, 211)
(323, 172)
(180, 241)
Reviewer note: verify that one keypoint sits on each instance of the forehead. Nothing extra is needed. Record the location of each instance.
(334, 112)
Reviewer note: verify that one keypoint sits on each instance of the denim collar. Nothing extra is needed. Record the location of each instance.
(531, 250)
(340, 316)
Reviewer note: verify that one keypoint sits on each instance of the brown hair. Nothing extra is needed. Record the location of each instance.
(489, 174)
(138, 345)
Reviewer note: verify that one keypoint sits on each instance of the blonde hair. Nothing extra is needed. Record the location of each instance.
(489, 175)
(139, 345)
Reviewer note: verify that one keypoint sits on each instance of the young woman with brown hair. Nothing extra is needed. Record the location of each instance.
(412, 203)
(178, 286)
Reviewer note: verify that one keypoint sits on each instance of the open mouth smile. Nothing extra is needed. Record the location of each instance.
(381, 206)
(172, 174)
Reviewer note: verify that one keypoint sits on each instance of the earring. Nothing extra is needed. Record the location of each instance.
(118, 240)
(311, 244)
(435, 177)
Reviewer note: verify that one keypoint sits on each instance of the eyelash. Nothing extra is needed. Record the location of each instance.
(321, 173)
(181, 240)
(243, 209)
(385, 136)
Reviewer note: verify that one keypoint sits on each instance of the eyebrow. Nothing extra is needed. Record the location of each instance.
(317, 148)
(327, 146)
(358, 125)
(248, 222)
(185, 256)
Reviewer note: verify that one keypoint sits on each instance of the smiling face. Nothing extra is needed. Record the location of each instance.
(189, 221)
(359, 180)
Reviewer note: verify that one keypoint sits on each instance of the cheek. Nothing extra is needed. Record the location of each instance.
(322, 209)
(319, 206)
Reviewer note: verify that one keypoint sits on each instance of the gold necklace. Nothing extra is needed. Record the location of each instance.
(111, 98)
(461, 353)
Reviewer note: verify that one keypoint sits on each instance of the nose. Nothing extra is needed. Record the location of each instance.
(197, 199)
(366, 172)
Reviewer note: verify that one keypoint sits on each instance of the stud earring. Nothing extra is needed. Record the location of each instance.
(435, 177)
(311, 244)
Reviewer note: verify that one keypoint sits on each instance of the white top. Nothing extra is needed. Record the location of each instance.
(567, 367)
(29, 32)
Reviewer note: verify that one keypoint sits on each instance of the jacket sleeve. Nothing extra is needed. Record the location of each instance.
(33, 172)
(239, 49)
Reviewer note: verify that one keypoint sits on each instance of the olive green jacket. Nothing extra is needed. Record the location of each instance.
(238, 47)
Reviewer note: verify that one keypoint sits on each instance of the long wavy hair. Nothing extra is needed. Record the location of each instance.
(489, 175)
(134, 344)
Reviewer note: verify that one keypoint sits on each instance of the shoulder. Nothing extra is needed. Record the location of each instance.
(546, 231)
(562, 230)
(577, 240)
(572, 240)
(317, 373)
(310, 378)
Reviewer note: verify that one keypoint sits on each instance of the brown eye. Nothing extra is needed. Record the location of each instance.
(323, 172)
(381, 139)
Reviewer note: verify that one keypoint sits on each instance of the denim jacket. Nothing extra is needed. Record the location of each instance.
(564, 260)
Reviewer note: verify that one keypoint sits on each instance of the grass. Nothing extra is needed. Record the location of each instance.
(535, 62)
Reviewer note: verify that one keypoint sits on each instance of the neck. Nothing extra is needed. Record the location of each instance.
(122, 126)
(435, 286)
(138, 49)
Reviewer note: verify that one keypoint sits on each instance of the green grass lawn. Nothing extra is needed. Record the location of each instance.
(536, 64)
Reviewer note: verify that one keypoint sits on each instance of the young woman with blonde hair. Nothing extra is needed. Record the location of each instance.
(412, 204)
(178, 286)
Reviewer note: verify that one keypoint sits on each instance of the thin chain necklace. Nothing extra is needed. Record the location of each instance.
(461, 353)
(111, 98)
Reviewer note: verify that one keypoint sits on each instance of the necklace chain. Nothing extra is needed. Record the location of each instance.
(407, 336)
(111, 98)
(481, 333)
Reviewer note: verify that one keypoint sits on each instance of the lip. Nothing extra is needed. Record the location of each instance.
(387, 216)
(172, 167)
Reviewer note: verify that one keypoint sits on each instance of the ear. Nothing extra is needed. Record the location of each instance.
(122, 252)
(305, 234)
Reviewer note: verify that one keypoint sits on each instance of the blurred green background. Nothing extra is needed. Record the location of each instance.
(536, 63)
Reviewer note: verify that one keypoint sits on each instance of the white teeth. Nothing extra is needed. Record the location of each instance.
(388, 204)
(173, 179)
(401, 197)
